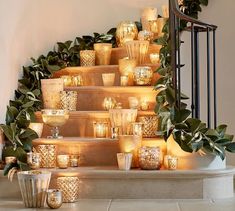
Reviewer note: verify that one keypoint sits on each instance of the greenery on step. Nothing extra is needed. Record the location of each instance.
(191, 134)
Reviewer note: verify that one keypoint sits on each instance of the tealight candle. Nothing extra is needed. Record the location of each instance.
(100, 129)
(87, 58)
(144, 105)
(103, 53)
(124, 80)
(63, 161)
(124, 161)
(108, 79)
(172, 163)
(67, 80)
(154, 58)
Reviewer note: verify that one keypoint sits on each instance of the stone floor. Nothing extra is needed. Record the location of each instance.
(133, 205)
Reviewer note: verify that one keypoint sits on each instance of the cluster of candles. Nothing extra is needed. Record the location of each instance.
(75, 80)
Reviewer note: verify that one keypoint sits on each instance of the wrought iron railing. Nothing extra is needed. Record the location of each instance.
(195, 27)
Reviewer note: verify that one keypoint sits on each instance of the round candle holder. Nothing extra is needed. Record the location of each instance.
(143, 75)
(63, 161)
(54, 198)
(33, 160)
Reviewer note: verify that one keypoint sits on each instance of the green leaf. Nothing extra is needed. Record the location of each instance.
(28, 104)
(221, 129)
(204, 2)
(193, 124)
(181, 115)
(11, 114)
(230, 147)
(212, 132)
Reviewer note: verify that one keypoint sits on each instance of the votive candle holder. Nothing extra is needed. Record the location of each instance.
(124, 80)
(77, 80)
(48, 155)
(124, 161)
(100, 129)
(63, 161)
(108, 79)
(103, 53)
(137, 129)
(33, 160)
(68, 100)
(74, 160)
(87, 58)
(172, 163)
(144, 105)
(54, 198)
(148, 13)
(154, 58)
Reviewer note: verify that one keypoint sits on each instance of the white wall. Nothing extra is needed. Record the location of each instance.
(32, 27)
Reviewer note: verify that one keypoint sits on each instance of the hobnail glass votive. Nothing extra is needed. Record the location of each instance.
(69, 187)
(137, 50)
(63, 161)
(150, 158)
(103, 53)
(48, 155)
(150, 125)
(54, 198)
(68, 100)
(143, 75)
(124, 161)
(87, 58)
(145, 35)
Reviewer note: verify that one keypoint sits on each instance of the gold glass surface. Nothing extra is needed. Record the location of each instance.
(48, 155)
(124, 80)
(137, 129)
(87, 58)
(103, 53)
(67, 80)
(143, 75)
(145, 35)
(144, 105)
(69, 187)
(74, 160)
(154, 58)
(109, 103)
(160, 24)
(68, 100)
(100, 129)
(33, 160)
(63, 161)
(126, 31)
(150, 158)
(54, 198)
(126, 68)
(150, 125)
(77, 80)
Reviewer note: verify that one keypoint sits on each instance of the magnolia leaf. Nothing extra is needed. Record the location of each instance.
(204, 2)
(182, 115)
(28, 104)
(228, 137)
(230, 147)
(212, 132)
(221, 129)
(193, 124)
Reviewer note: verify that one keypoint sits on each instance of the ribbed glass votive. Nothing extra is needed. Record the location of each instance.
(68, 100)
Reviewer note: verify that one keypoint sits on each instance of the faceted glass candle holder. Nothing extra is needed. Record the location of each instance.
(103, 53)
(124, 161)
(87, 58)
(69, 187)
(143, 75)
(150, 158)
(48, 155)
(68, 100)
(100, 129)
(137, 50)
(63, 161)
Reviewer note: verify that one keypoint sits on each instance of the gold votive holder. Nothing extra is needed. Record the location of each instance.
(137, 129)
(130, 144)
(137, 50)
(74, 160)
(154, 58)
(77, 80)
(153, 27)
(33, 160)
(143, 75)
(103, 53)
(126, 68)
(54, 198)
(48, 155)
(161, 22)
(10, 159)
(133, 102)
(144, 105)
(109, 103)
(100, 129)
(150, 158)
(69, 187)
(63, 161)
(124, 161)
(126, 31)
(145, 35)
(150, 125)
(108, 79)
(115, 132)
(68, 100)
(172, 163)
(124, 80)
(87, 58)
(67, 80)
(165, 161)
(148, 13)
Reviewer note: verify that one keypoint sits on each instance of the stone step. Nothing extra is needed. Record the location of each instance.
(111, 183)
(80, 123)
(94, 151)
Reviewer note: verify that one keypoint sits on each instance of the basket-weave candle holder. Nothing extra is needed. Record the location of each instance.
(48, 155)
(68, 100)
(150, 126)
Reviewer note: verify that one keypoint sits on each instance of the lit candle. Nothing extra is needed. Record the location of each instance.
(108, 79)
(109, 103)
(137, 129)
(172, 163)
(103, 53)
(33, 160)
(87, 58)
(124, 80)
(67, 80)
(148, 13)
(144, 105)
(63, 161)
(124, 161)
(74, 160)
(77, 80)
(100, 129)
(154, 58)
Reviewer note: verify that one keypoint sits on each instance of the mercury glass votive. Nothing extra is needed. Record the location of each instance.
(33, 160)
(48, 155)
(100, 129)
(63, 161)
(70, 188)
(77, 80)
(114, 132)
(124, 80)
(148, 13)
(67, 79)
(133, 102)
(172, 163)
(54, 198)
(160, 23)
(126, 31)
(87, 58)
(150, 158)
(108, 79)
(154, 58)
(137, 50)
(150, 125)
(143, 75)
(144, 105)
(137, 129)
(145, 35)
(68, 100)
(103, 53)
(74, 160)
(165, 161)
(109, 103)
(124, 161)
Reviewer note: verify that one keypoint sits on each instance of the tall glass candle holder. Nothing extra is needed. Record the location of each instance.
(148, 13)
(48, 155)
(87, 58)
(100, 129)
(137, 50)
(103, 53)
(63, 161)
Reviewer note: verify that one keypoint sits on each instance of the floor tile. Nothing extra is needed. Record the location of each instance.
(140, 205)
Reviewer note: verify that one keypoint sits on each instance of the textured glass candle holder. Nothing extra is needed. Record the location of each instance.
(145, 35)
(100, 129)
(143, 75)
(144, 105)
(154, 58)
(109, 103)
(48, 155)
(148, 13)
(149, 158)
(160, 24)
(153, 26)
(108, 79)
(74, 160)
(126, 31)
(87, 58)
(77, 80)
(123, 118)
(70, 188)
(63, 161)
(172, 163)
(33, 160)
(124, 80)
(124, 161)
(54, 198)
(150, 125)
(67, 80)
(133, 102)
(68, 100)
(103, 53)
(51, 92)
(137, 129)
(137, 50)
